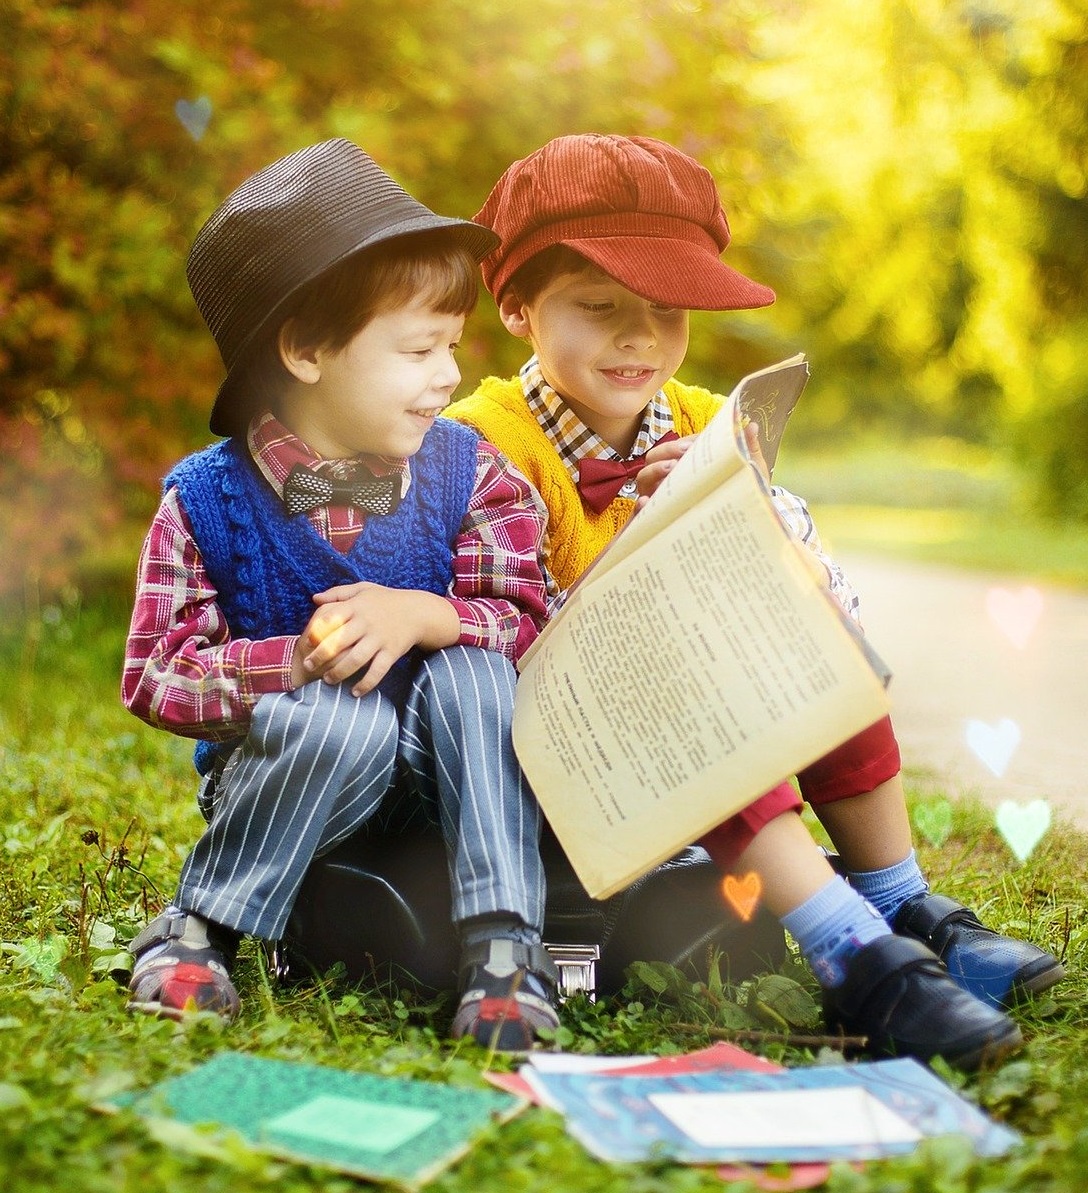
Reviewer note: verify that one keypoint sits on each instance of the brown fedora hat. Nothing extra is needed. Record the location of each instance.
(283, 227)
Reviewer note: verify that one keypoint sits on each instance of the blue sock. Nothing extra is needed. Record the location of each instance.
(888, 889)
(831, 926)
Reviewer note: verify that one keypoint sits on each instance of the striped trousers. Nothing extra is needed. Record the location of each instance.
(317, 764)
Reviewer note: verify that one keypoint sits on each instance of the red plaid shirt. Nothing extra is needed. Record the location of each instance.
(184, 672)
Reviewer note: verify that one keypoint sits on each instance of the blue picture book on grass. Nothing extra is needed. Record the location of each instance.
(858, 1111)
(383, 1128)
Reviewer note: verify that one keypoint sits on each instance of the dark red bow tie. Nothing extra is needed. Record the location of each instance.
(599, 481)
(305, 490)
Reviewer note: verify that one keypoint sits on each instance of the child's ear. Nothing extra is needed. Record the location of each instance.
(512, 313)
(299, 359)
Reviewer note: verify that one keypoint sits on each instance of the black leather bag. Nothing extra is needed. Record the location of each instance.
(379, 906)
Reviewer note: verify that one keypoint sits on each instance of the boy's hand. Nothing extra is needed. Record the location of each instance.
(660, 461)
(755, 451)
(365, 625)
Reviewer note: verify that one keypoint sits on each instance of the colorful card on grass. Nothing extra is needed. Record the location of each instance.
(383, 1128)
(721, 1056)
(841, 1112)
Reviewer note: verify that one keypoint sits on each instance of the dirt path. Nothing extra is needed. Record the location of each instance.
(991, 679)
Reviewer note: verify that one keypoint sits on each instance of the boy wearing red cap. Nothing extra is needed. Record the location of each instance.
(330, 599)
(606, 243)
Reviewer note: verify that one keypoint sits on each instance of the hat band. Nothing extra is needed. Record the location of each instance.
(618, 223)
(600, 226)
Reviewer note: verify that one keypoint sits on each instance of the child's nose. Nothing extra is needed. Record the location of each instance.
(449, 375)
(638, 331)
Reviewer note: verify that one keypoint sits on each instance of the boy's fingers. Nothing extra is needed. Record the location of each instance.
(327, 643)
(342, 592)
(755, 450)
(348, 662)
(672, 450)
(376, 671)
(650, 477)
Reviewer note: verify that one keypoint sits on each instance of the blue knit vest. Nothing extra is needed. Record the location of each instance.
(265, 565)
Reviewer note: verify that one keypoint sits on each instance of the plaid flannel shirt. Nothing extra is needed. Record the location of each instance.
(184, 672)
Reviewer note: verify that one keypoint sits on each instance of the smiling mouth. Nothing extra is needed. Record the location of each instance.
(432, 412)
(629, 374)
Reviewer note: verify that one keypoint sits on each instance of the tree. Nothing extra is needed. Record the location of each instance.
(940, 205)
(124, 124)
(101, 187)
(910, 177)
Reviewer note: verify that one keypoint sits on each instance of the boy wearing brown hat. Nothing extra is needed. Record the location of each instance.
(606, 243)
(331, 597)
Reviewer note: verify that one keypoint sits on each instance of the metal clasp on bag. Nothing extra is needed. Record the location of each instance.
(279, 967)
(577, 965)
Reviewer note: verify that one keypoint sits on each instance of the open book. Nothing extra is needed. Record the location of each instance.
(767, 398)
(698, 663)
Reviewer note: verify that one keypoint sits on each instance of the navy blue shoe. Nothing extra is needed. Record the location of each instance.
(900, 998)
(997, 969)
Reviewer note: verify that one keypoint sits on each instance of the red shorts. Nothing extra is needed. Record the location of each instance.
(857, 766)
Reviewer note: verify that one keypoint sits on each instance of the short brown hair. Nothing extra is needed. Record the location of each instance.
(529, 279)
(331, 309)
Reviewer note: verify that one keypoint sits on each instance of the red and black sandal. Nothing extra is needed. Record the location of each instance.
(508, 995)
(183, 965)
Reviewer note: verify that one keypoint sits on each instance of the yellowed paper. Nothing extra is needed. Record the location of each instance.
(682, 682)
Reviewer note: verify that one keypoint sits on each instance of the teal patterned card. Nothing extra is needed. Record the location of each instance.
(383, 1128)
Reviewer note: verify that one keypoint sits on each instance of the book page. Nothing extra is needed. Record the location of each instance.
(789, 1118)
(689, 679)
(767, 398)
(718, 452)
(714, 456)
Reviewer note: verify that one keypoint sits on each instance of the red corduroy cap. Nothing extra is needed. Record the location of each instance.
(639, 209)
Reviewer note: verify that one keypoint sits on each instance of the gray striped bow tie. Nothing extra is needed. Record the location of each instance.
(305, 490)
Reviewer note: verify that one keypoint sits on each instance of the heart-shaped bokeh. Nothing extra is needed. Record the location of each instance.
(934, 821)
(194, 116)
(994, 744)
(742, 894)
(1023, 826)
(1016, 614)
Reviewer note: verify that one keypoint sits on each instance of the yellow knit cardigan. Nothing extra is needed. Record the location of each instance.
(498, 410)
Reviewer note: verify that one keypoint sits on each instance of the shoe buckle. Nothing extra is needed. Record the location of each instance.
(167, 926)
(577, 966)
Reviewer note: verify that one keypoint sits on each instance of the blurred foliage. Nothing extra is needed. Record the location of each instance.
(909, 175)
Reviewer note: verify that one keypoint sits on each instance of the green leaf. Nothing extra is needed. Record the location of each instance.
(1010, 1083)
(732, 1016)
(103, 935)
(115, 963)
(649, 973)
(784, 1001)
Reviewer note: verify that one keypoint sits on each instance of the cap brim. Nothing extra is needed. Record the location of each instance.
(675, 273)
(230, 412)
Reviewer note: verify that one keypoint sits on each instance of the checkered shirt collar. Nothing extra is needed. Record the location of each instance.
(275, 450)
(571, 438)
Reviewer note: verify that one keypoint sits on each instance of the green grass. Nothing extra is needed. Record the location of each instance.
(96, 814)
